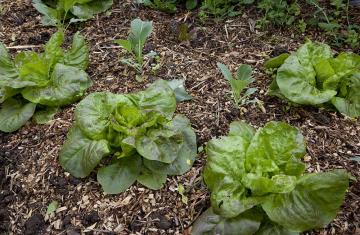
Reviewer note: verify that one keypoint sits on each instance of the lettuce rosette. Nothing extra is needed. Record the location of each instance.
(312, 76)
(258, 187)
(138, 130)
(36, 85)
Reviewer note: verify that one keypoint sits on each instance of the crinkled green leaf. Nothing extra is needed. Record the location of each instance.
(178, 85)
(37, 72)
(269, 227)
(278, 142)
(45, 115)
(225, 157)
(186, 155)
(93, 113)
(350, 104)
(120, 175)
(14, 114)
(52, 48)
(292, 81)
(86, 9)
(276, 62)
(210, 223)
(80, 154)
(161, 144)
(26, 57)
(158, 95)
(151, 179)
(242, 129)
(65, 87)
(78, 56)
(323, 70)
(312, 204)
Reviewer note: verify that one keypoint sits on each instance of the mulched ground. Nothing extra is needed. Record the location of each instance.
(31, 176)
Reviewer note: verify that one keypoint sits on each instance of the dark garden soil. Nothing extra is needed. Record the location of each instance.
(31, 176)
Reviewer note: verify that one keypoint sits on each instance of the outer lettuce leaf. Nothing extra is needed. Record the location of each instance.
(312, 204)
(8, 70)
(210, 223)
(269, 227)
(158, 95)
(15, 114)
(120, 175)
(151, 179)
(225, 157)
(26, 57)
(350, 104)
(86, 9)
(186, 155)
(277, 142)
(93, 113)
(78, 56)
(295, 83)
(36, 72)
(276, 62)
(80, 154)
(65, 85)
(242, 129)
(45, 115)
(52, 48)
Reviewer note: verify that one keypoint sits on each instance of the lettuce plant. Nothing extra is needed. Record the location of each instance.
(312, 76)
(37, 84)
(258, 187)
(135, 43)
(69, 9)
(147, 145)
(238, 84)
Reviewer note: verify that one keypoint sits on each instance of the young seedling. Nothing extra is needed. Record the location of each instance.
(238, 84)
(135, 43)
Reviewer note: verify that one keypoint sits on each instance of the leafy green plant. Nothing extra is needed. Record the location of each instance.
(258, 187)
(238, 84)
(166, 5)
(311, 76)
(156, 67)
(135, 43)
(37, 84)
(222, 8)
(137, 129)
(69, 9)
(278, 12)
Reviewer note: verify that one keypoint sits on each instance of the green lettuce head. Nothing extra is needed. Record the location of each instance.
(137, 129)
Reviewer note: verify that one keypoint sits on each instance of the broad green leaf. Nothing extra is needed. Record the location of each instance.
(313, 203)
(52, 14)
(242, 129)
(68, 4)
(52, 207)
(151, 179)
(178, 85)
(313, 21)
(80, 155)
(225, 71)
(276, 62)
(158, 95)
(277, 142)
(244, 72)
(191, 4)
(14, 114)
(161, 144)
(45, 115)
(120, 175)
(323, 70)
(78, 56)
(37, 72)
(275, 90)
(141, 30)
(125, 44)
(269, 227)
(292, 81)
(47, 21)
(26, 57)
(350, 104)
(65, 87)
(226, 198)
(186, 155)
(52, 47)
(86, 9)
(210, 223)
(225, 157)
(93, 113)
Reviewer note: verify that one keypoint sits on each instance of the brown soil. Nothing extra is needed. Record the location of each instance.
(31, 176)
